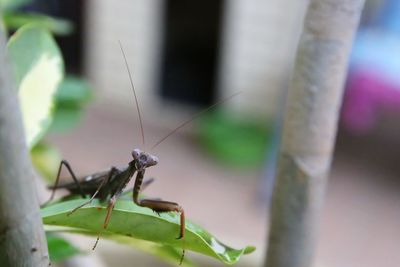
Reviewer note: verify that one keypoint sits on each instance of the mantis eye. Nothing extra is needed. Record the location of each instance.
(135, 153)
(154, 159)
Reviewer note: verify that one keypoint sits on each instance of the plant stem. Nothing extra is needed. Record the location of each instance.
(309, 130)
(22, 239)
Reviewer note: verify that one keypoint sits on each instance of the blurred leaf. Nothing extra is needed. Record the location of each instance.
(130, 220)
(167, 253)
(71, 96)
(59, 248)
(2, 25)
(13, 4)
(73, 91)
(46, 160)
(38, 68)
(236, 141)
(65, 119)
(15, 20)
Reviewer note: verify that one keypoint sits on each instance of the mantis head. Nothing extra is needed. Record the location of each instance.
(143, 160)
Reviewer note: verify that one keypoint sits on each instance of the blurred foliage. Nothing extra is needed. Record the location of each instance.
(59, 248)
(166, 253)
(58, 26)
(38, 69)
(47, 102)
(234, 141)
(71, 97)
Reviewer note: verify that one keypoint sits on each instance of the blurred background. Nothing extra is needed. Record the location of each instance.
(187, 55)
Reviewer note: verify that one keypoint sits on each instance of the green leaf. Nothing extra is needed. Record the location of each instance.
(59, 248)
(130, 220)
(238, 141)
(166, 253)
(46, 160)
(15, 20)
(38, 69)
(65, 118)
(72, 94)
(73, 91)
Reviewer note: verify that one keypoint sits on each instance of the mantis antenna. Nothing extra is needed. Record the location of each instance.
(134, 93)
(196, 115)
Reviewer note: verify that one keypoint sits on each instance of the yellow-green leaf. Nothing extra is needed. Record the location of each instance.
(38, 69)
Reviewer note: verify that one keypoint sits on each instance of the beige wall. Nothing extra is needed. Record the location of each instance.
(136, 23)
(257, 49)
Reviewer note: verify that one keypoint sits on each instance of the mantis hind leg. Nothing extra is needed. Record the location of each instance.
(71, 172)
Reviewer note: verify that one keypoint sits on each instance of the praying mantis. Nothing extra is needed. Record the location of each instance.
(108, 185)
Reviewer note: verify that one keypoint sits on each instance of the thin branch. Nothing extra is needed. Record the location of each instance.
(309, 131)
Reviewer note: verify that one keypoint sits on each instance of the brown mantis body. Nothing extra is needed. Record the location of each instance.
(109, 185)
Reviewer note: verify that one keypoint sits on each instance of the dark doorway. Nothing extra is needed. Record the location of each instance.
(190, 51)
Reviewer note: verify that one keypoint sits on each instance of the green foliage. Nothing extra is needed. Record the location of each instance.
(166, 253)
(38, 68)
(45, 102)
(71, 97)
(235, 141)
(59, 248)
(15, 20)
(131, 221)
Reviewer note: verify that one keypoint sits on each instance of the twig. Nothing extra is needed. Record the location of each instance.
(309, 130)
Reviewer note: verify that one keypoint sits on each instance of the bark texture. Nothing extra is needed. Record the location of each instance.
(22, 239)
(309, 131)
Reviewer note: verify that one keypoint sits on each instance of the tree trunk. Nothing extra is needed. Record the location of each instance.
(22, 239)
(309, 130)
